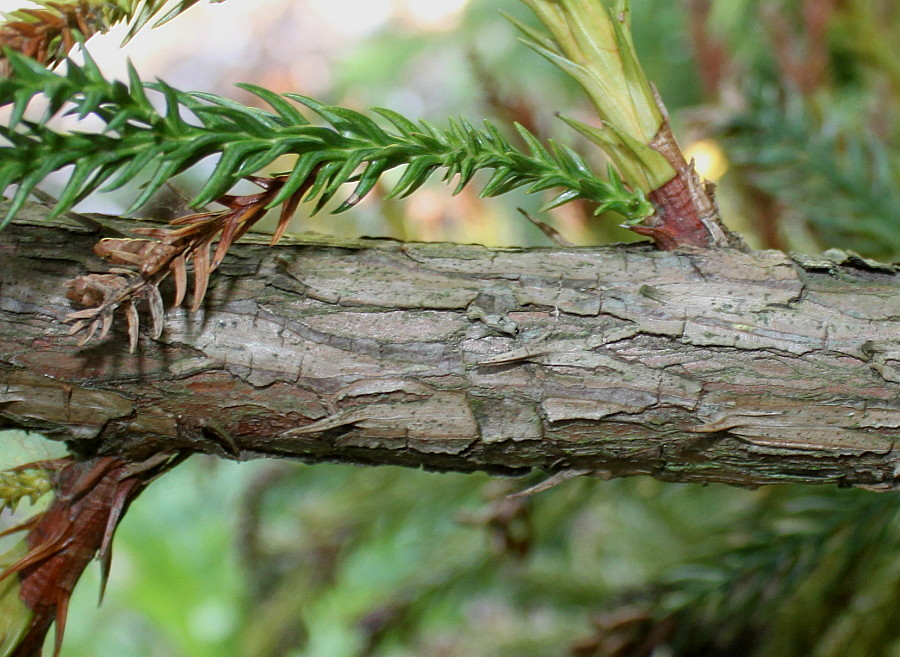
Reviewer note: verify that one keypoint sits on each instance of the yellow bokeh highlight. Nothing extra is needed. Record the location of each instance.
(709, 158)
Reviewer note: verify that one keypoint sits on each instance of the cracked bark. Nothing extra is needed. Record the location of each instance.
(692, 365)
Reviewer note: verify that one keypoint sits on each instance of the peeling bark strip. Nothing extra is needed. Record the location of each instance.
(746, 368)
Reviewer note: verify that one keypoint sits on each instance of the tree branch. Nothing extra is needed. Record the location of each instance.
(694, 365)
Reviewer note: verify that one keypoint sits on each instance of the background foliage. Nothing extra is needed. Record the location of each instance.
(798, 99)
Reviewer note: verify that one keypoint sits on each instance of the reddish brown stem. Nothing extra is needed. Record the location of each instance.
(678, 220)
(686, 214)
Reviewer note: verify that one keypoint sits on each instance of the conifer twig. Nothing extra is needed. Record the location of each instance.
(351, 148)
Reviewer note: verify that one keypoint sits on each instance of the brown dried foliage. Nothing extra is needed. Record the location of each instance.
(78, 526)
(165, 251)
(49, 33)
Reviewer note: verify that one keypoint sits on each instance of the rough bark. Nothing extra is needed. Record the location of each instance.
(693, 365)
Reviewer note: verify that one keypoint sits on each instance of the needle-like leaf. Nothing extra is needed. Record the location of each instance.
(349, 147)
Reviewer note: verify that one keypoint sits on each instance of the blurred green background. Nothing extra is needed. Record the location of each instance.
(791, 106)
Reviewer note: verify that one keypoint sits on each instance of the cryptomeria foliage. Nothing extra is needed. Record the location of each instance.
(798, 573)
(793, 563)
(844, 180)
(351, 148)
(137, 138)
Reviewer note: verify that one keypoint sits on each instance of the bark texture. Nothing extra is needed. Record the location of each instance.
(692, 365)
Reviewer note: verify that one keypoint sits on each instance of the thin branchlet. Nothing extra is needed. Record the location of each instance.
(351, 148)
